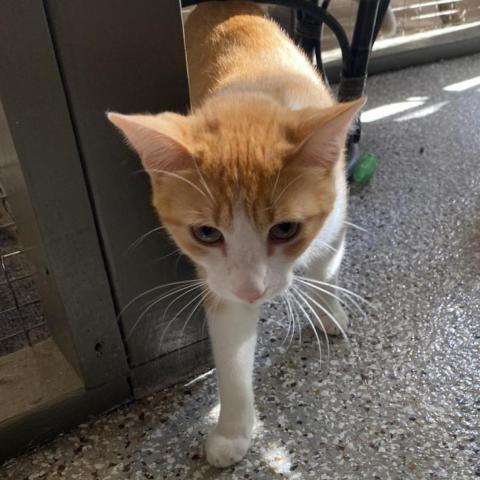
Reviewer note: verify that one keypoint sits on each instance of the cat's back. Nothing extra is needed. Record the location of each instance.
(230, 44)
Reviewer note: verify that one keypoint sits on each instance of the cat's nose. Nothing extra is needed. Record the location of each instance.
(249, 295)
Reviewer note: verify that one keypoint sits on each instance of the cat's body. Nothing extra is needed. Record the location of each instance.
(231, 46)
(251, 185)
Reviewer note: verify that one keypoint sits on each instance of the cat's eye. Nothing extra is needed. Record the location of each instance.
(281, 232)
(206, 234)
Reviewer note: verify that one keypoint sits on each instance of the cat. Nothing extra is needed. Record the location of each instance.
(251, 185)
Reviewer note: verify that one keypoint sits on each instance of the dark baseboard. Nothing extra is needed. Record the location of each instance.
(21, 433)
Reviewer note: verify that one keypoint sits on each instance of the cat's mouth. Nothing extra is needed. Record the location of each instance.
(253, 293)
(256, 298)
(249, 297)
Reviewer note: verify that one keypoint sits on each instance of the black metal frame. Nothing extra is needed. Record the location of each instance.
(309, 21)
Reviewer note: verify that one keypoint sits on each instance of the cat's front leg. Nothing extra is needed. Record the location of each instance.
(233, 333)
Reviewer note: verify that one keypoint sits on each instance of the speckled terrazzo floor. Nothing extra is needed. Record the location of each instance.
(402, 400)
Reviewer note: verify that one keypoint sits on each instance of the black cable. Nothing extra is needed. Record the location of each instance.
(318, 47)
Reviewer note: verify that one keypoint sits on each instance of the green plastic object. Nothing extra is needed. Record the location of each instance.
(365, 169)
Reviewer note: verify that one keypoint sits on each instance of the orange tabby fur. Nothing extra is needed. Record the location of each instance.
(245, 75)
(231, 44)
(262, 145)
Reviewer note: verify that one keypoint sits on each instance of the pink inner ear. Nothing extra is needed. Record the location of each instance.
(165, 154)
(319, 152)
(152, 138)
(326, 137)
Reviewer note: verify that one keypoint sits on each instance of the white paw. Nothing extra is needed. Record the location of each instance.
(341, 318)
(224, 451)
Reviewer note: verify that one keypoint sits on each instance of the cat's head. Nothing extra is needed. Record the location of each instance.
(243, 185)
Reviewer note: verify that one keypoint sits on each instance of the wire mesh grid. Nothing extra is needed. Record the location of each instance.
(407, 17)
(415, 16)
(22, 322)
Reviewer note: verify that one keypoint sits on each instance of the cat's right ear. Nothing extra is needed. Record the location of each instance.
(157, 139)
(323, 133)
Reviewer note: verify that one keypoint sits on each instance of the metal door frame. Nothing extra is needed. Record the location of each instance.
(55, 197)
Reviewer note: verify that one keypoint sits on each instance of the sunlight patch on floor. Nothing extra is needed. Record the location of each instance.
(279, 461)
(199, 378)
(214, 412)
(463, 85)
(422, 112)
(390, 109)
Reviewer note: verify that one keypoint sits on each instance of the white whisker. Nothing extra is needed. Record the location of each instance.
(158, 287)
(202, 179)
(295, 314)
(274, 189)
(327, 292)
(290, 314)
(312, 327)
(201, 285)
(286, 188)
(354, 302)
(329, 315)
(289, 322)
(179, 177)
(326, 245)
(176, 263)
(336, 287)
(358, 227)
(185, 291)
(317, 317)
(140, 239)
(174, 252)
(178, 314)
(200, 302)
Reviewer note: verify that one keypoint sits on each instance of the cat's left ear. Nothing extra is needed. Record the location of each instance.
(158, 140)
(323, 133)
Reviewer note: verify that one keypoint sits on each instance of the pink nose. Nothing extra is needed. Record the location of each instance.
(250, 295)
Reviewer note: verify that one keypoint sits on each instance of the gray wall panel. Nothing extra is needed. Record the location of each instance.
(79, 304)
(129, 57)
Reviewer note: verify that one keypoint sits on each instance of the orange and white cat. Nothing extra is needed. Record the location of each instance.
(250, 185)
